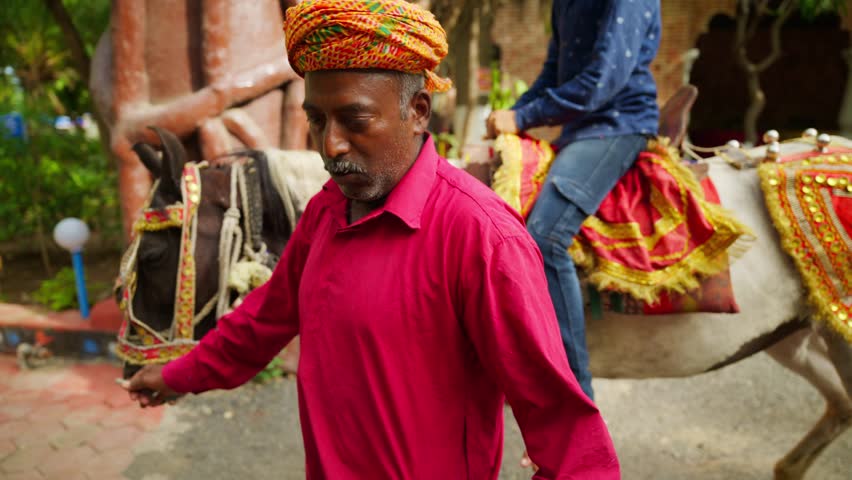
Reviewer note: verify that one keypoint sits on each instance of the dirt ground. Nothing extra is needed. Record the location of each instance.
(727, 425)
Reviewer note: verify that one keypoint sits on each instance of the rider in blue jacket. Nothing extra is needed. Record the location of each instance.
(596, 83)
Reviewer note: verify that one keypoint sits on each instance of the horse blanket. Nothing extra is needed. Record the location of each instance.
(809, 198)
(658, 237)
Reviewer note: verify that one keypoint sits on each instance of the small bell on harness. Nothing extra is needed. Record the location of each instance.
(773, 151)
(810, 134)
(771, 136)
(823, 141)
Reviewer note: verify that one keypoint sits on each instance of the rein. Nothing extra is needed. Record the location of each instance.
(244, 263)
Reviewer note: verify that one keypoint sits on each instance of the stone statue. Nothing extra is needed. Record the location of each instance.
(214, 72)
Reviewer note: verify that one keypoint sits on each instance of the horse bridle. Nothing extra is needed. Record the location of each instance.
(158, 347)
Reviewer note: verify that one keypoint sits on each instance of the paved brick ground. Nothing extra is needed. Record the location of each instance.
(67, 421)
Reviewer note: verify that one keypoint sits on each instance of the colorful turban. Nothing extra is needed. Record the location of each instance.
(383, 34)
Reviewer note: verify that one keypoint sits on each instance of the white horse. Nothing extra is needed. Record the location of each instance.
(774, 317)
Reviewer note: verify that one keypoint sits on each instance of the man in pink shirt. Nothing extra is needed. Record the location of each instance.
(419, 296)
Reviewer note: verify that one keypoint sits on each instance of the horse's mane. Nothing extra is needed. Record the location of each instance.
(274, 215)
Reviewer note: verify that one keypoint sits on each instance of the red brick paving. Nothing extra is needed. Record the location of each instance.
(104, 316)
(67, 422)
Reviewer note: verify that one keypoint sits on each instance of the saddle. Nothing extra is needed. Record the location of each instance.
(659, 242)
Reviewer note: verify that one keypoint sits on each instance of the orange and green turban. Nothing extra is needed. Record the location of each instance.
(383, 34)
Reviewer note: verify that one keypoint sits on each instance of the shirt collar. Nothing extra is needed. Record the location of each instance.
(408, 198)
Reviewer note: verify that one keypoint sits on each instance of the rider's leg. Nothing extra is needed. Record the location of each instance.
(581, 176)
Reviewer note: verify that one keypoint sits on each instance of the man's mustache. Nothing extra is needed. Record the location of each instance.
(342, 167)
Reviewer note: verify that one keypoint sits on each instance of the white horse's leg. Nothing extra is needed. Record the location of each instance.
(806, 354)
(840, 353)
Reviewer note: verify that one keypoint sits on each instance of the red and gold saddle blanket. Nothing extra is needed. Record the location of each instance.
(809, 198)
(658, 237)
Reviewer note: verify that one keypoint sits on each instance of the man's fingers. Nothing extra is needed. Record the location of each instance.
(149, 400)
(147, 388)
(142, 379)
(136, 382)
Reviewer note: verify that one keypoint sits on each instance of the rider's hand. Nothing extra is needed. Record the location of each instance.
(148, 387)
(500, 121)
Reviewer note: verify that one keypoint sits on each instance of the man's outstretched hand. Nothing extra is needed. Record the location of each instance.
(500, 121)
(148, 387)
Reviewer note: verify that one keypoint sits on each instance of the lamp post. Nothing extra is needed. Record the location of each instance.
(71, 234)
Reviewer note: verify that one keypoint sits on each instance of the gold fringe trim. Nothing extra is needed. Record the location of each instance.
(730, 241)
(819, 297)
(507, 179)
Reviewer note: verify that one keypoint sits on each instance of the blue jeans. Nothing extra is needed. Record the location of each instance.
(581, 175)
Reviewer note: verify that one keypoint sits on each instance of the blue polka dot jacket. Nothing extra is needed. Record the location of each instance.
(596, 81)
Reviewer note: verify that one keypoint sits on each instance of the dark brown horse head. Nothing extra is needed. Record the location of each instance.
(157, 256)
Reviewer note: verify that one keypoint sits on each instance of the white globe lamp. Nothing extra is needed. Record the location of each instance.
(71, 234)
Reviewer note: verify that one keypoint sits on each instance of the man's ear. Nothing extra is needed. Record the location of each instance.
(421, 110)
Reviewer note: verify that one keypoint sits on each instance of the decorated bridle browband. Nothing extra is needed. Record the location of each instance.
(153, 346)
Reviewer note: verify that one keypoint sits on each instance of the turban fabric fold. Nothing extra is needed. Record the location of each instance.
(382, 34)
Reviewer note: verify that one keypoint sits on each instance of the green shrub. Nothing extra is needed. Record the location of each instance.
(60, 292)
(500, 98)
(52, 176)
(270, 372)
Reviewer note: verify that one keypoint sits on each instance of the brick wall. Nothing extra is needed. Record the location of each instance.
(519, 30)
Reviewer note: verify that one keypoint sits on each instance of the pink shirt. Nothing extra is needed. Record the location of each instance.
(414, 321)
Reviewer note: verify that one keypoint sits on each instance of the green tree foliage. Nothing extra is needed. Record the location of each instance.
(811, 9)
(51, 174)
(41, 52)
(500, 97)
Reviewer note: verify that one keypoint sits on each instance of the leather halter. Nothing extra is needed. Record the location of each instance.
(150, 346)
(138, 343)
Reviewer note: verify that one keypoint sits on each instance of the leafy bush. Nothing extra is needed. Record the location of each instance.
(52, 176)
(447, 145)
(60, 292)
(270, 372)
(500, 98)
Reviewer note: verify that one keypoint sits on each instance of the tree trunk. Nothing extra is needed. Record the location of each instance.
(747, 26)
(82, 62)
(471, 87)
(757, 103)
(35, 198)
